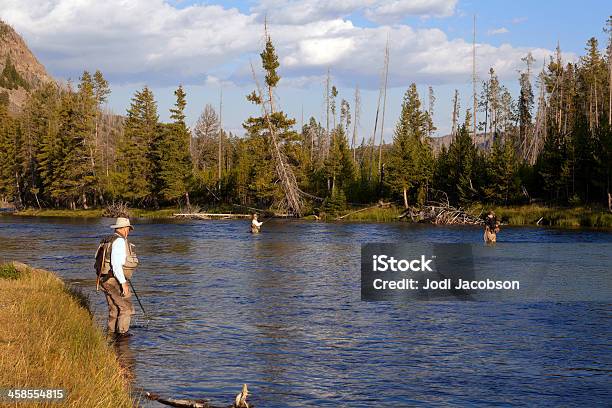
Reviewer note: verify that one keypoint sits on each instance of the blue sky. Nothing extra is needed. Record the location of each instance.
(207, 46)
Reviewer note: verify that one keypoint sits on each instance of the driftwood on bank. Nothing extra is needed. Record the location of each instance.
(437, 213)
(239, 402)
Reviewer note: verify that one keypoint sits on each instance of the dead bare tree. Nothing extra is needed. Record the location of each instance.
(283, 170)
(204, 132)
(327, 107)
(357, 110)
(474, 97)
(219, 160)
(455, 114)
(536, 141)
(608, 30)
(373, 138)
(382, 123)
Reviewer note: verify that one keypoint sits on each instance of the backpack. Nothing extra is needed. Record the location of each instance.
(103, 255)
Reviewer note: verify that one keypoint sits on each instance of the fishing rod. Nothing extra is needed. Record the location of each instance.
(267, 219)
(138, 299)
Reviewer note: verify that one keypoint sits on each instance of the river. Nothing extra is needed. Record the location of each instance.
(281, 311)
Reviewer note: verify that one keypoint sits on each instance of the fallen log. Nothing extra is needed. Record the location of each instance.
(239, 402)
(179, 403)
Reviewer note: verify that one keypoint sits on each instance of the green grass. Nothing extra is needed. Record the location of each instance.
(98, 212)
(553, 216)
(95, 213)
(515, 215)
(161, 213)
(33, 212)
(8, 271)
(49, 340)
(377, 214)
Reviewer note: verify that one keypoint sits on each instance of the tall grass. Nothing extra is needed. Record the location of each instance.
(49, 212)
(376, 214)
(96, 213)
(554, 216)
(50, 341)
(518, 215)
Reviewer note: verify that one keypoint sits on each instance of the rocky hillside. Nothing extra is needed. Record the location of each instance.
(481, 141)
(20, 71)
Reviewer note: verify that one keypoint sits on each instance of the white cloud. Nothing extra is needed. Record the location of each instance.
(304, 11)
(393, 11)
(519, 20)
(214, 81)
(497, 31)
(151, 41)
(135, 40)
(300, 12)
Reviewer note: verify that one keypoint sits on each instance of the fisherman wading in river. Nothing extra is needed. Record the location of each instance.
(255, 225)
(115, 263)
(491, 228)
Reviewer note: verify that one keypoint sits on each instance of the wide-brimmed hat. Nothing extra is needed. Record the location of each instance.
(122, 222)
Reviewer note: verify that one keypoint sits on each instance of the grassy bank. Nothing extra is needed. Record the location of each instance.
(49, 341)
(553, 216)
(517, 215)
(95, 213)
(376, 214)
(514, 215)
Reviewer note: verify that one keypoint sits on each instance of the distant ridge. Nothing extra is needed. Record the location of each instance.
(20, 71)
(481, 141)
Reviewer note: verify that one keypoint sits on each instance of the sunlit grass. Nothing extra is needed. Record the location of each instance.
(34, 212)
(516, 215)
(554, 216)
(376, 214)
(50, 341)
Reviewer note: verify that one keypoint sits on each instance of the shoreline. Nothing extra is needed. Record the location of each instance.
(54, 344)
(525, 215)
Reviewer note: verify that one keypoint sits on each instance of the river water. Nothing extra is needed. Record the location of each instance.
(281, 311)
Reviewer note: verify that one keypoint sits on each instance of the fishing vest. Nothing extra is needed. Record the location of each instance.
(103, 263)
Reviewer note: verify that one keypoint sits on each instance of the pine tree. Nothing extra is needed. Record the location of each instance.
(71, 177)
(133, 179)
(10, 78)
(339, 164)
(410, 159)
(462, 166)
(552, 167)
(43, 123)
(10, 172)
(171, 152)
(502, 184)
(87, 106)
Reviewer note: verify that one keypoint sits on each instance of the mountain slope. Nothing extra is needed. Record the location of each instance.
(20, 71)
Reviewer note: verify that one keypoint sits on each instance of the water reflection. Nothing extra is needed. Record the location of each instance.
(126, 357)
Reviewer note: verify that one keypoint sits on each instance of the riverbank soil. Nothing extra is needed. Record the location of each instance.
(50, 341)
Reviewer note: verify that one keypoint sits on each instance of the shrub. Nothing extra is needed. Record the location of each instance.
(8, 271)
